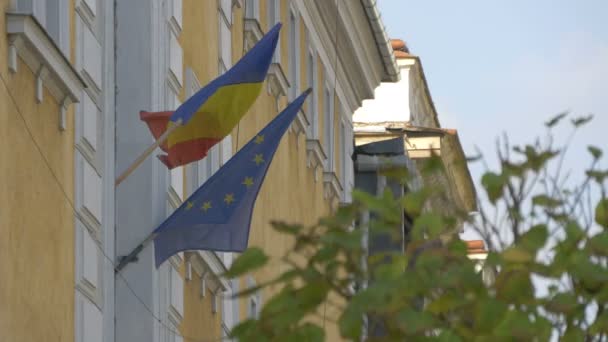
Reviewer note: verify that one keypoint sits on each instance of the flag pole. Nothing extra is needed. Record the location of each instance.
(132, 257)
(147, 152)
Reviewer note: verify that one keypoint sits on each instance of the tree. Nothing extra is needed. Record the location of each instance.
(549, 258)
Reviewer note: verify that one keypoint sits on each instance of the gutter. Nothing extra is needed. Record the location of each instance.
(382, 41)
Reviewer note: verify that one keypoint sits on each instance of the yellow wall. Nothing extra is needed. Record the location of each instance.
(36, 217)
(290, 192)
(199, 321)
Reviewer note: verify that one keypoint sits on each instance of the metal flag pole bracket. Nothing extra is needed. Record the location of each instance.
(132, 257)
(147, 152)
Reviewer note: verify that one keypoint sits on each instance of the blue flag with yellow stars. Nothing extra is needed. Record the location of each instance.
(217, 216)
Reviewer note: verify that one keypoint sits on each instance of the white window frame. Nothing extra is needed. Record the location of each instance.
(252, 9)
(313, 110)
(56, 25)
(254, 301)
(294, 54)
(274, 17)
(328, 128)
(343, 152)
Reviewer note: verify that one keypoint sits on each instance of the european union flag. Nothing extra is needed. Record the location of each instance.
(217, 216)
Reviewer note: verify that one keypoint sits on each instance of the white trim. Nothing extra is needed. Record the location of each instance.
(87, 13)
(331, 185)
(278, 85)
(314, 155)
(37, 49)
(316, 44)
(253, 32)
(209, 263)
(175, 20)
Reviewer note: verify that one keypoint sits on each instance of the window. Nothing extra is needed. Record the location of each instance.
(253, 307)
(274, 16)
(52, 15)
(252, 9)
(225, 43)
(343, 153)
(313, 116)
(328, 137)
(294, 77)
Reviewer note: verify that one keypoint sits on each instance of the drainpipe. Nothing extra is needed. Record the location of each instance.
(382, 41)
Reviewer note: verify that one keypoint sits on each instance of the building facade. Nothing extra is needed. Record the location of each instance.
(76, 73)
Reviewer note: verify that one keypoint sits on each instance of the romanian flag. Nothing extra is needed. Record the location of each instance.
(211, 114)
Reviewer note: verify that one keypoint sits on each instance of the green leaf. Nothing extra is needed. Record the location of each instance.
(546, 201)
(517, 254)
(494, 185)
(253, 258)
(597, 175)
(414, 201)
(598, 244)
(489, 313)
(573, 334)
(517, 326)
(564, 303)
(577, 122)
(308, 332)
(534, 238)
(291, 229)
(600, 326)
(595, 152)
(514, 286)
(601, 213)
(351, 322)
(429, 224)
(556, 119)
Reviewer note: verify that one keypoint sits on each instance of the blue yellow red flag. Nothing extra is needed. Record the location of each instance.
(217, 216)
(211, 113)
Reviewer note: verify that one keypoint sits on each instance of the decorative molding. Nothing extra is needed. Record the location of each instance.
(209, 265)
(90, 63)
(331, 185)
(87, 270)
(87, 141)
(253, 32)
(40, 76)
(176, 63)
(63, 113)
(300, 123)
(346, 95)
(278, 85)
(87, 11)
(90, 210)
(237, 3)
(176, 297)
(175, 21)
(314, 155)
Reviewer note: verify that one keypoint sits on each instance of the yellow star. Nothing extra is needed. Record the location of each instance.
(206, 206)
(189, 205)
(259, 139)
(248, 182)
(259, 159)
(229, 198)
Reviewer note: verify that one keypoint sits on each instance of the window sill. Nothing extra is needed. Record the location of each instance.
(208, 264)
(331, 185)
(277, 81)
(253, 32)
(299, 123)
(315, 154)
(29, 40)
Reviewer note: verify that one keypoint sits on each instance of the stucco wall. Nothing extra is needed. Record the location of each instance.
(36, 217)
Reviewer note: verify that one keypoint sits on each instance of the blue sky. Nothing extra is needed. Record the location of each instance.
(507, 66)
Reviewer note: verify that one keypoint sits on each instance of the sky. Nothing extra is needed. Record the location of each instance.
(497, 66)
